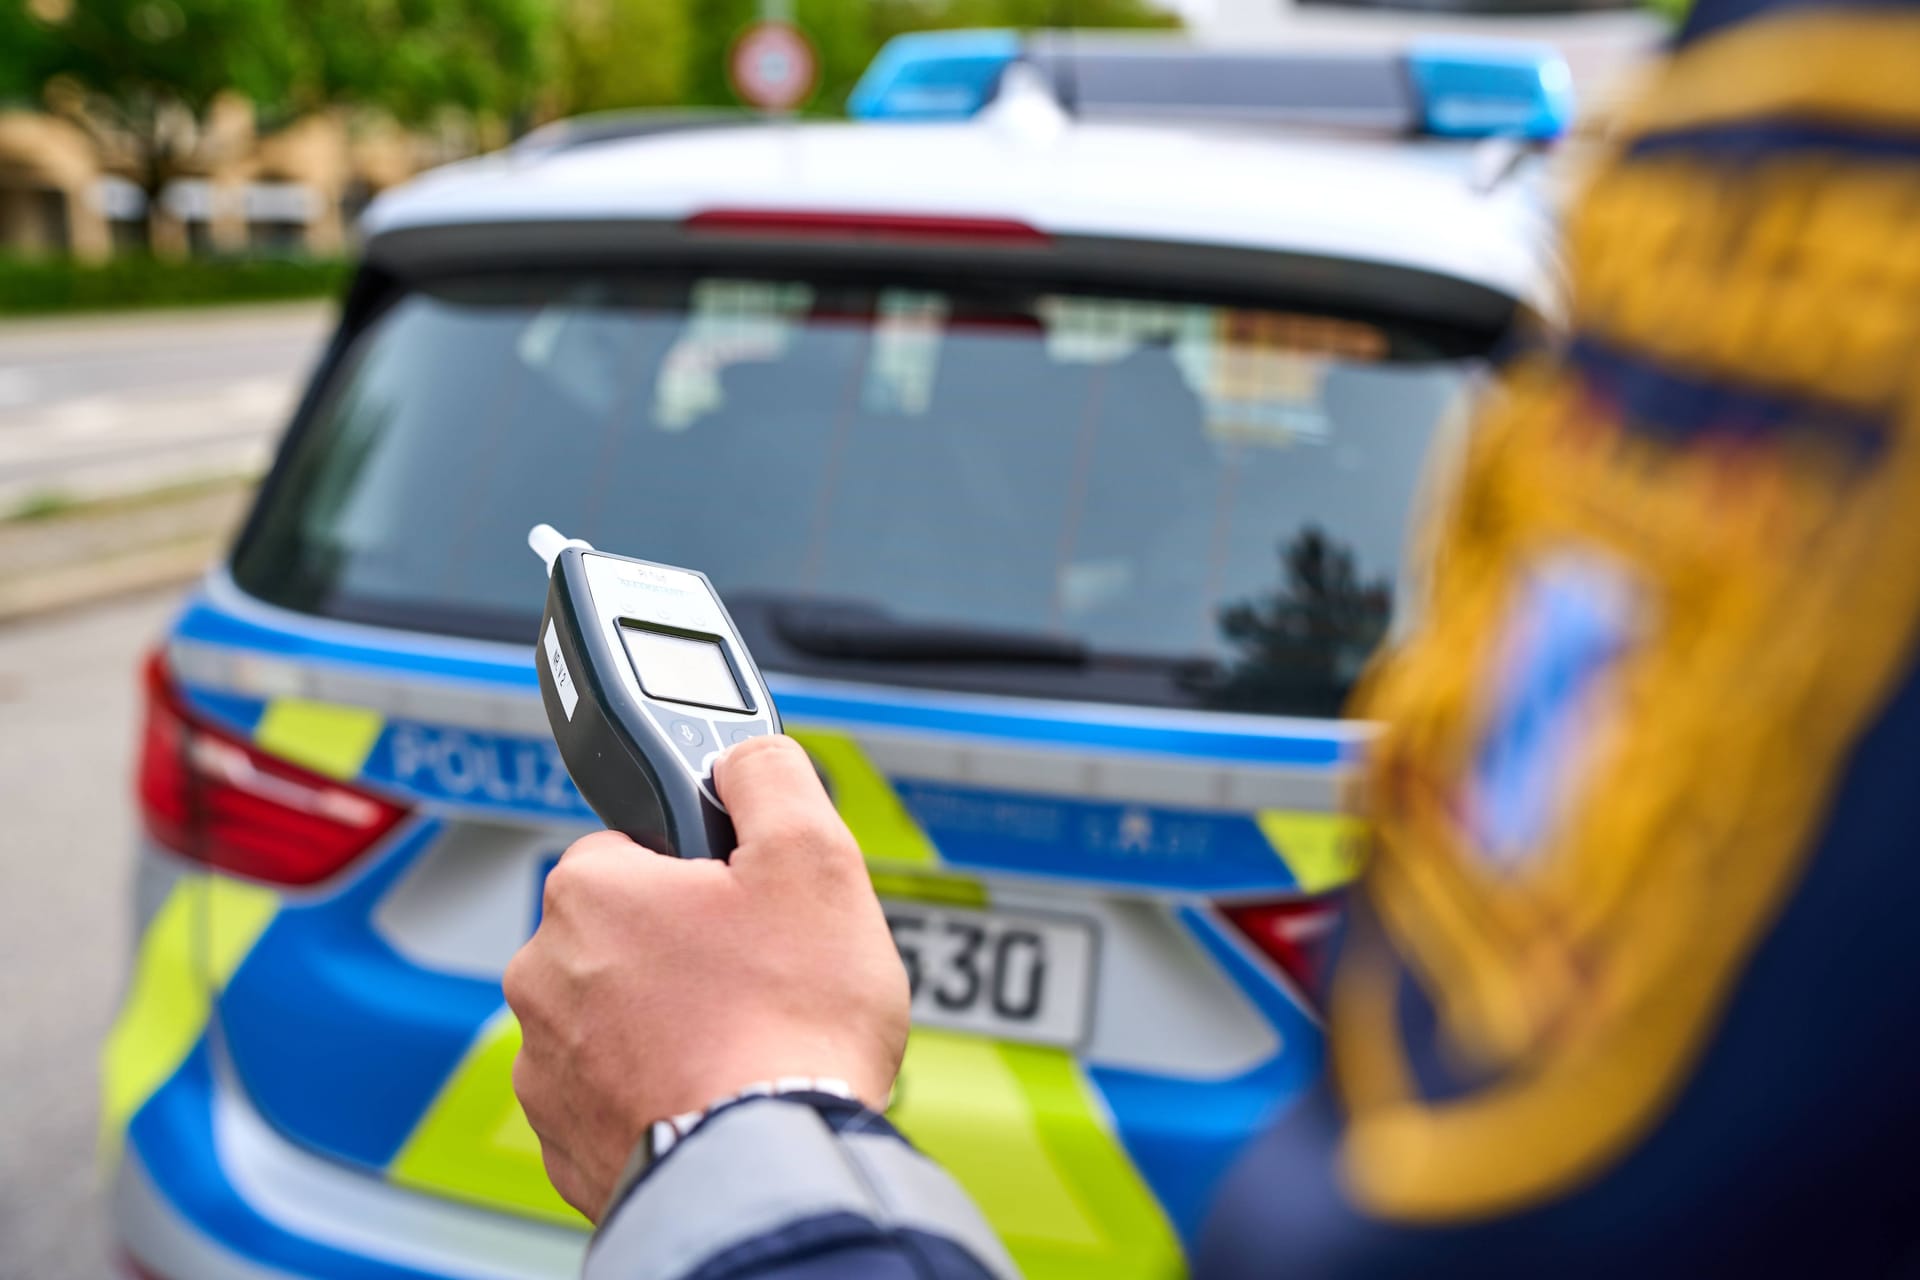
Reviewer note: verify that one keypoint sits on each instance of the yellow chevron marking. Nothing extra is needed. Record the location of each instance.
(1029, 1138)
(475, 1144)
(882, 825)
(951, 891)
(1323, 850)
(321, 736)
(196, 941)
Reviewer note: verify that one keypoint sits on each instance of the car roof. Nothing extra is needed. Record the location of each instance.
(1385, 201)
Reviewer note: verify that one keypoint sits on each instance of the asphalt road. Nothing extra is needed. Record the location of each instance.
(90, 406)
(68, 715)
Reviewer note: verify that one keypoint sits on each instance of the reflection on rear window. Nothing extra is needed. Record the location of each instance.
(1209, 500)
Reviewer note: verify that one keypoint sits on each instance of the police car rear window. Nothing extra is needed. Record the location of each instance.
(1063, 494)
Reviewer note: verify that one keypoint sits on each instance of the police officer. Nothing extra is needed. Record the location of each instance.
(1629, 987)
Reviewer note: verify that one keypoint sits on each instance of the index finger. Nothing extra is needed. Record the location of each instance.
(776, 799)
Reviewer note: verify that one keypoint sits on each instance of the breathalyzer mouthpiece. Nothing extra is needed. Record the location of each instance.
(548, 542)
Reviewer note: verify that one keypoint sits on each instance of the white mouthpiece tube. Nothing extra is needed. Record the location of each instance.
(548, 542)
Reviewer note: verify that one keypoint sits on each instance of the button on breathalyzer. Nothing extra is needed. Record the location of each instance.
(645, 681)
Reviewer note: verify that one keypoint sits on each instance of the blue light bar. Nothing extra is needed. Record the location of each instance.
(1483, 89)
(933, 75)
(1442, 88)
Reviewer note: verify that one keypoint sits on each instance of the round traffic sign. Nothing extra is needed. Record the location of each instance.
(772, 66)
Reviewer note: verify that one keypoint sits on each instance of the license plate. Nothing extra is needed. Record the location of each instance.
(1002, 974)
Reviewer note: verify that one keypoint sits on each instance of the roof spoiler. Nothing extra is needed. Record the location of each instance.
(620, 126)
(1435, 88)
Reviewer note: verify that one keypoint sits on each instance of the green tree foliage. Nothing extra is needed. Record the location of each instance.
(621, 53)
(1025, 14)
(144, 58)
(721, 22)
(150, 71)
(22, 53)
(417, 59)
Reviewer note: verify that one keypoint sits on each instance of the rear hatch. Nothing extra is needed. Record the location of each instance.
(1061, 580)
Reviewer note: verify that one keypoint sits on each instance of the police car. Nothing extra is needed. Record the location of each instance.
(1055, 468)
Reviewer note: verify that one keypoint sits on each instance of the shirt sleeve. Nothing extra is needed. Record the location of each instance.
(793, 1188)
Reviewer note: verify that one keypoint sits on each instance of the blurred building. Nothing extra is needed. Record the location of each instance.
(70, 189)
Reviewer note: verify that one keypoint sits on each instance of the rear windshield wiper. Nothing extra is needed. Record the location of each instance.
(868, 634)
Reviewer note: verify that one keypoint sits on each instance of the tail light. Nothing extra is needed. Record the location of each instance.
(216, 799)
(1297, 936)
(131, 1269)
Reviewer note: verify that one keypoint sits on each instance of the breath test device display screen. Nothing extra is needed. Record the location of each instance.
(675, 668)
(645, 680)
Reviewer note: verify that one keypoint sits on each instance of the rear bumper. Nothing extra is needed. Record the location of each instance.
(205, 1190)
(1080, 1165)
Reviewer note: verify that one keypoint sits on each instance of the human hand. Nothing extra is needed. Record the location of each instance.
(655, 986)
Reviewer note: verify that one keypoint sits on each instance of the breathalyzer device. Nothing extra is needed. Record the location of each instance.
(645, 681)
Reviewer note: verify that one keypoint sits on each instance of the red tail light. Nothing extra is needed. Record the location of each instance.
(212, 797)
(131, 1268)
(1297, 936)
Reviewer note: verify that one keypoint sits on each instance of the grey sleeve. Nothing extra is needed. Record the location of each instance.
(776, 1190)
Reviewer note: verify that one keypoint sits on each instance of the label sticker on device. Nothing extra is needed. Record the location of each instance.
(562, 678)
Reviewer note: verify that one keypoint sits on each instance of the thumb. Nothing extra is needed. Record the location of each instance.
(780, 810)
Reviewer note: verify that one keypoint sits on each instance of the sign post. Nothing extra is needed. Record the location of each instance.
(772, 65)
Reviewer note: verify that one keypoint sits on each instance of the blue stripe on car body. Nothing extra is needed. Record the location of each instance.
(173, 1136)
(369, 1025)
(1196, 735)
(1142, 846)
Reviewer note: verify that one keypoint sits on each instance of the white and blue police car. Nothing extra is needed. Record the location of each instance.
(1051, 432)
